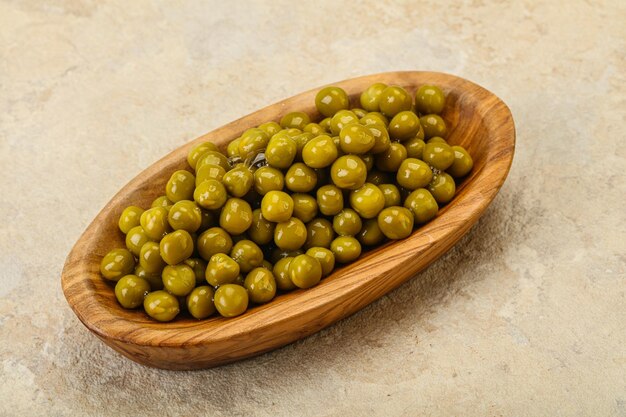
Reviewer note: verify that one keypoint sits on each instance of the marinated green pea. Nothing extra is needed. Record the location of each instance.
(209, 172)
(319, 233)
(314, 129)
(356, 138)
(199, 268)
(329, 200)
(393, 100)
(252, 142)
(130, 291)
(222, 269)
(271, 128)
(414, 148)
(404, 125)
(281, 274)
(377, 177)
(261, 285)
(161, 306)
(329, 100)
(340, 119)
(392, 195)
(175, 247)
(150, 258)
(281, 151)
(370, 98)
(154, 279)
(347, 223)
(442, 187)
(319, 152)
(346, 249)
(213, 158)
(238, 181)
(348, 172)
(232, 150)
(154, 223)
(396, 222)
(296, 119)
(129, 218)
(135, 239)
(200, 302)
(247, 254)
(268, 179)
(267, 265)
(413, 174)
(231, 300)
(368, 201)
(210, 195)
(325, 124)
(325, 257)
(370, 234)
(305, 271)
(381, 138)
(429, 99)
(197, 151)
(433, 125)
(300, 178)
(390, 160)
(304, 207)
(185, 215)
(262, 230)
(236, 216)
(161, 201)
(116, 264)
(212, 241)
(180, 186)
(422, 204)
(374, 118)
(277, 206)
(462, 164)
(290, 235)
(178, 280)
(439, 155)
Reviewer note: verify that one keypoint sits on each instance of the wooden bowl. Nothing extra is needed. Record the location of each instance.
(479, 121)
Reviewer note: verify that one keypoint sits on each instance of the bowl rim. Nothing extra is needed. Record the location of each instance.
(82, 266)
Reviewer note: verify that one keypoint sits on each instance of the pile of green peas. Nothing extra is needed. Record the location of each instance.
(286, 203)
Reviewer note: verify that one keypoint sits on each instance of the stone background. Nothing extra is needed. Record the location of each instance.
(525, 316)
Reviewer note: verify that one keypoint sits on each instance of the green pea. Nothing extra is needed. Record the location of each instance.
(180, 186)
(185, 215)
(422, 204)
(179, 280)
(261, 285)
(161, 306)
(200, 302)
(236, 216)
(130, 291)
(130, 218)
(177, 246)
(116, 264)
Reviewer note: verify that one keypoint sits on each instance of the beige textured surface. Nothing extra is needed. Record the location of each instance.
(524, 317)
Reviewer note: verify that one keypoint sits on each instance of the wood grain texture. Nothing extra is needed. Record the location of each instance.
(479, 121)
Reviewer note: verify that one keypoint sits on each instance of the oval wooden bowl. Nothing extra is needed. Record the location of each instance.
(479, 121)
